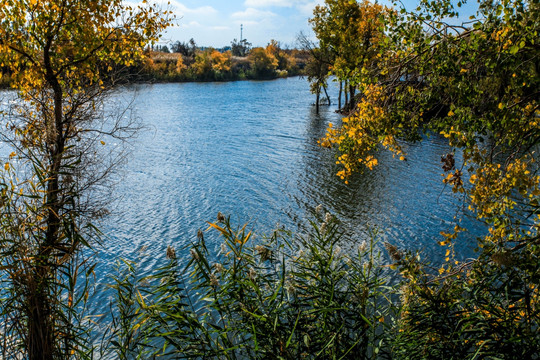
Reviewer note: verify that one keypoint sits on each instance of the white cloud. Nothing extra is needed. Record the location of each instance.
(182, 9)
(267, 3)
(191, 24)
(306, 8)
(220, 28)
(251, 14)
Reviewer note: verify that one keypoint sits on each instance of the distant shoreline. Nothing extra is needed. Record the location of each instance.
(210, 65)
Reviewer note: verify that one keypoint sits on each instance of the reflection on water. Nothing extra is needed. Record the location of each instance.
(405, 201)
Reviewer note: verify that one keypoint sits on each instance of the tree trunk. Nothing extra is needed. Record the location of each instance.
(40, 327)
(327, 97)
(317, 100)
(346, 96)
(41, 342)
(352, 101)
(340, 92)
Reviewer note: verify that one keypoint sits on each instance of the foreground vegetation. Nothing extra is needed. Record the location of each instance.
(477, 84)
(311, 296)
(257, 301)
(403, 73)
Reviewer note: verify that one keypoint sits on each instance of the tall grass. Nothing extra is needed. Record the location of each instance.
(282, 298)
(304, 297)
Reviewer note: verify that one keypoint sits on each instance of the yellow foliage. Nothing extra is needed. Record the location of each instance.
(180, 66)
(262, 61)
(358, 135)
(221, 61)
(73, 51)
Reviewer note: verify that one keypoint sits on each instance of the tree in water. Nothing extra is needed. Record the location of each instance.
(317, 69)
(353, 33)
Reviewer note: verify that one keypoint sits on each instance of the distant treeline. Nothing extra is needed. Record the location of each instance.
(241, 62)
(187, 62)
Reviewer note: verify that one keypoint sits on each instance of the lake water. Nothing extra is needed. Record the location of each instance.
(249, 149)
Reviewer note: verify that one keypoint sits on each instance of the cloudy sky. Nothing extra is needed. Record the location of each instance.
(217, 22)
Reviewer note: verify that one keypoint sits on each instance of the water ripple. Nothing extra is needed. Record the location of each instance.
(249, 149)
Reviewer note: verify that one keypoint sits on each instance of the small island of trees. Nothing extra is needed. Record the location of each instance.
(187, 62)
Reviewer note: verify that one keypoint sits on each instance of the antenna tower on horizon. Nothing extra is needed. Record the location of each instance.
(241, 31)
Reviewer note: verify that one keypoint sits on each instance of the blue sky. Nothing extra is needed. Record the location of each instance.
(217, 22)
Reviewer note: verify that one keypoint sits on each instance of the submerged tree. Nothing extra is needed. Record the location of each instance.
(353, 33)
(63, 57)
(317, 68)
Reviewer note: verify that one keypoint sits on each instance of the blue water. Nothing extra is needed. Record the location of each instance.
(249, 150)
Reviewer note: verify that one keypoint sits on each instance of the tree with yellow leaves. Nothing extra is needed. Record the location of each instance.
(64, 57)
(263, 63)
(221, 62)
(353, 32)
(477, 85)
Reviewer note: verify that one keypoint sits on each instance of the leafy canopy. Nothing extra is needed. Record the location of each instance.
(475, 84)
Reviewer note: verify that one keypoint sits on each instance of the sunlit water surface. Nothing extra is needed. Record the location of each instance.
(249, 149)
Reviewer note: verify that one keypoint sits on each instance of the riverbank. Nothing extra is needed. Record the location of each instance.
(210, 65)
